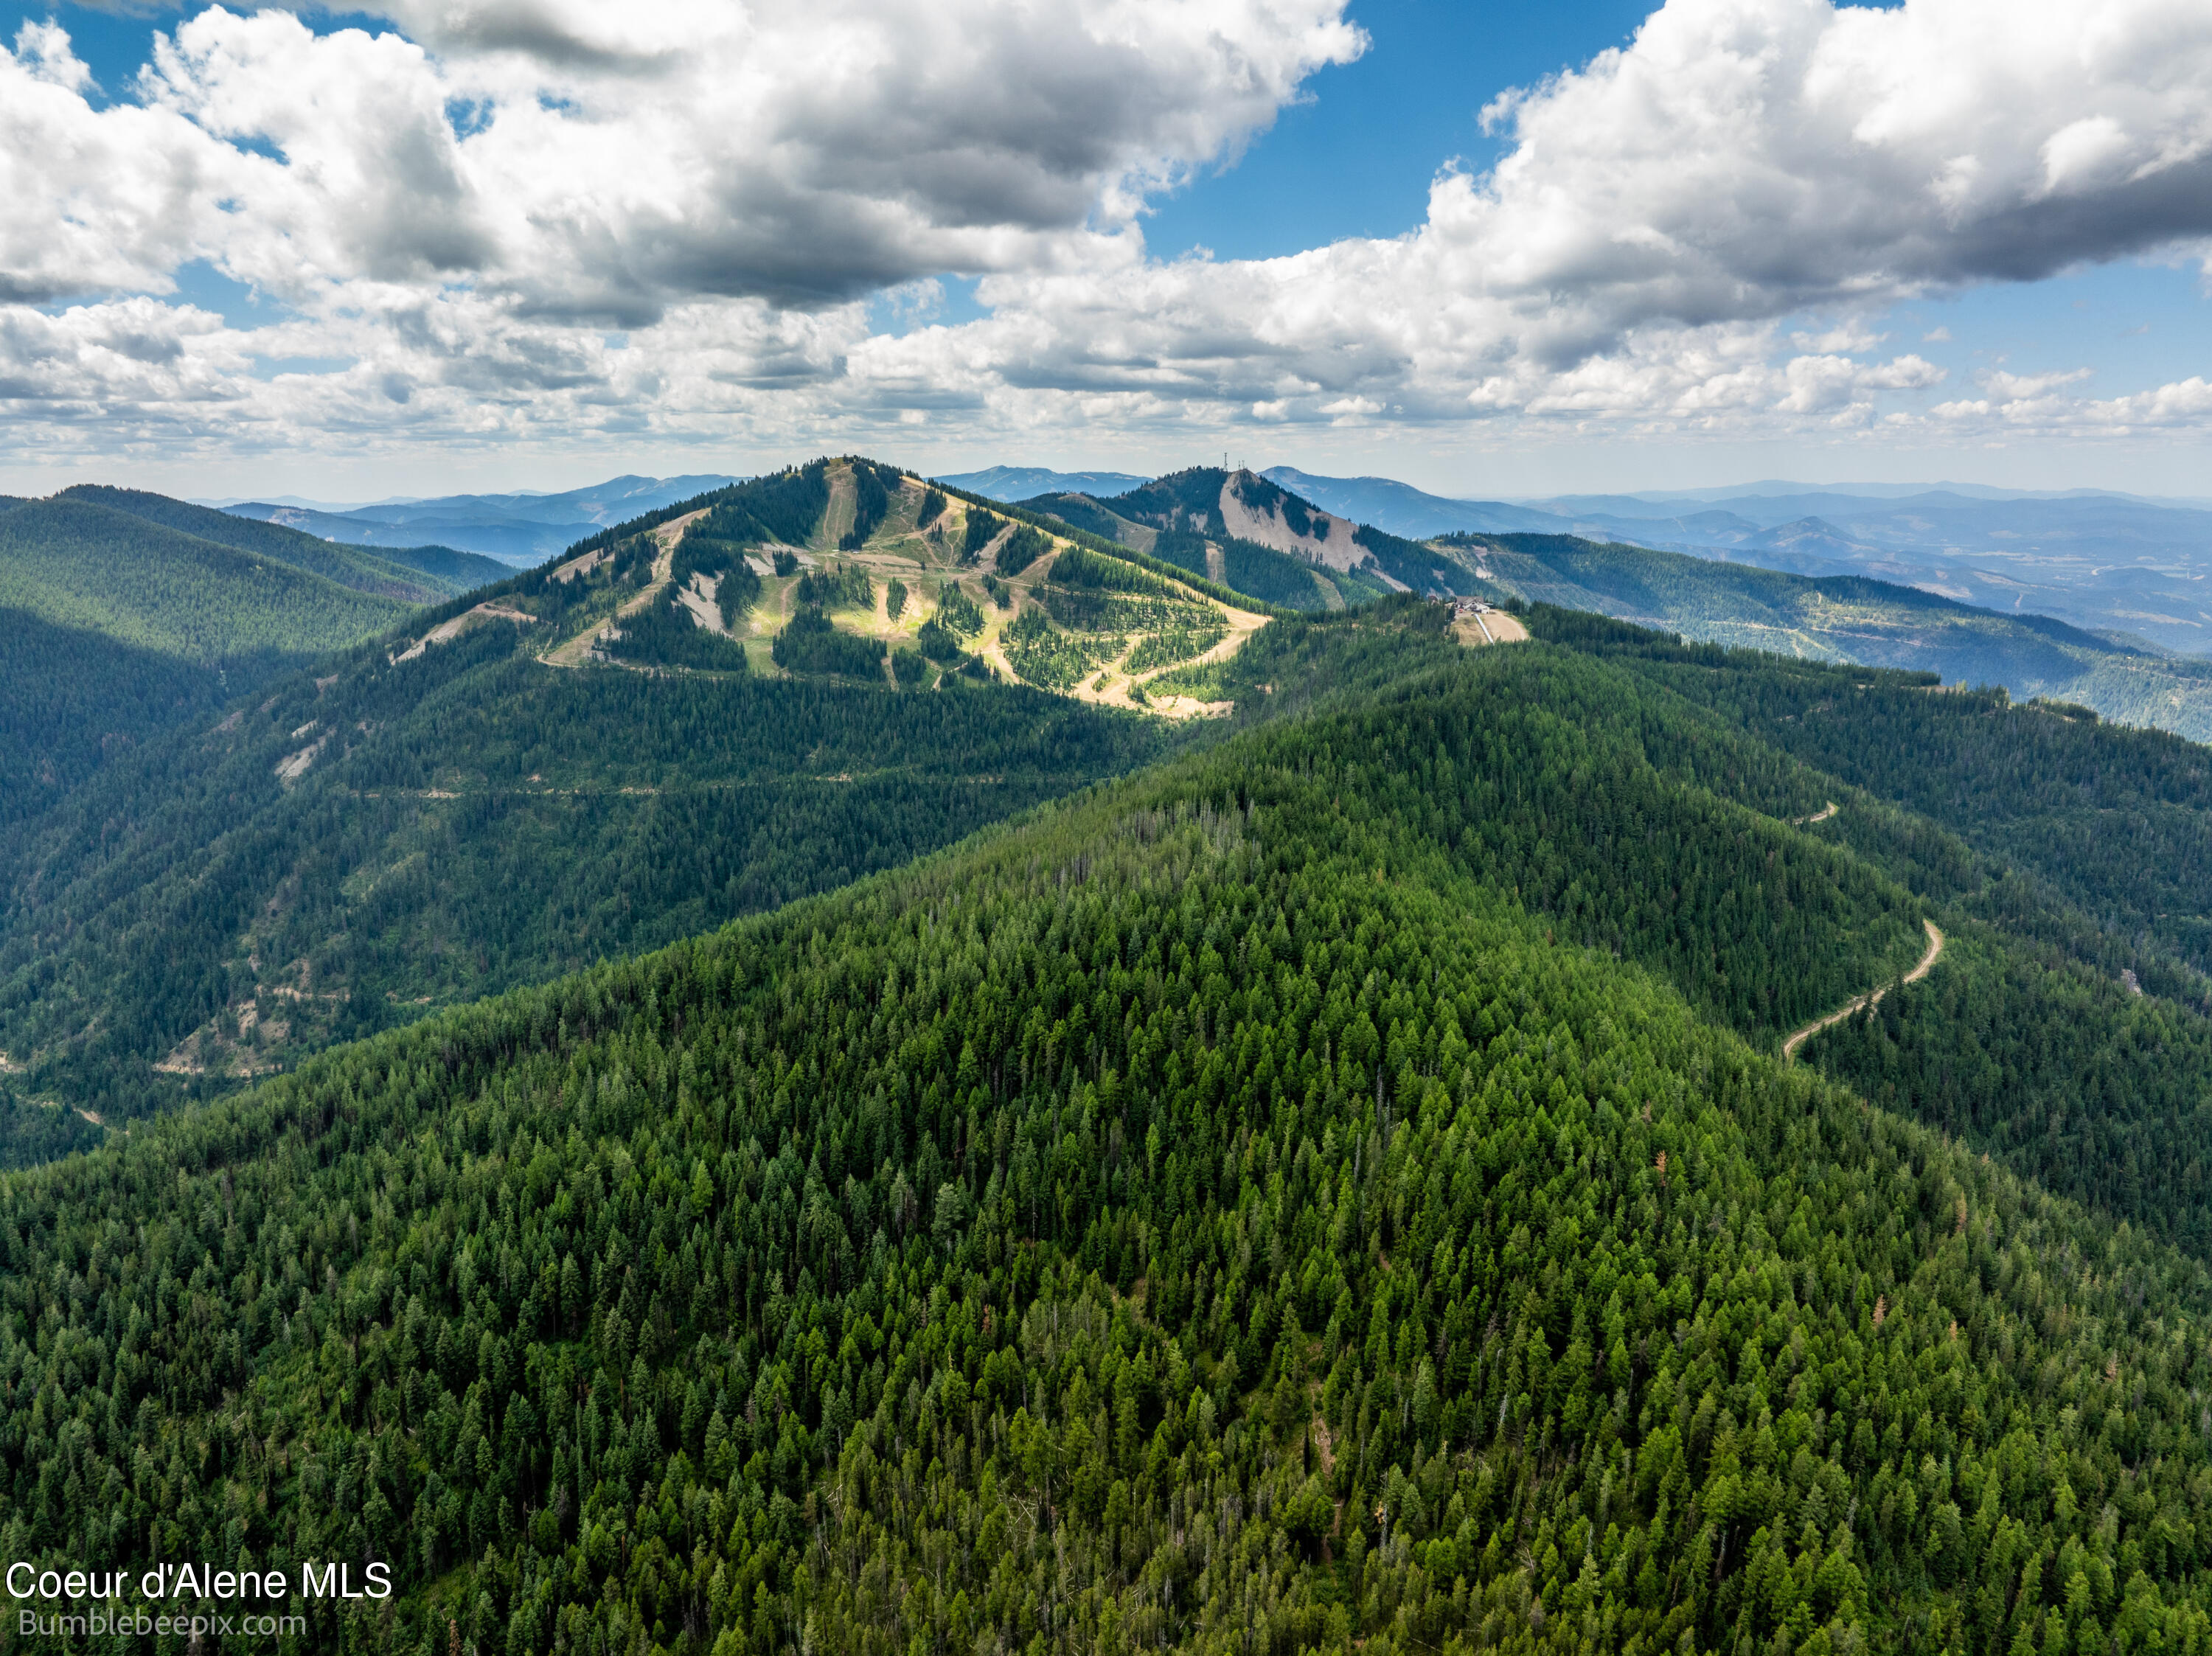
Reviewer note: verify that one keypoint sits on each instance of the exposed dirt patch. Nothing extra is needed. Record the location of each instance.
(699, 599)
(585, 645)
(446, 631)
(583, 566)
(1335, 547)
(988, 557)
(294, 766)
(1479, 626)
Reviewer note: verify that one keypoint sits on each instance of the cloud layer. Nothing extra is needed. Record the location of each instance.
(521, 216)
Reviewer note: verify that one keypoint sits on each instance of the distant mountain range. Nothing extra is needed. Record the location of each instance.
(519, 528)
(1012, 483)
(2108, 562)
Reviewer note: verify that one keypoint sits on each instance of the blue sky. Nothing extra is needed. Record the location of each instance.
(1355, 157)
(1699, 264)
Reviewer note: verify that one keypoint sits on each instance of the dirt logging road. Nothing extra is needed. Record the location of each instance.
(1873, 998)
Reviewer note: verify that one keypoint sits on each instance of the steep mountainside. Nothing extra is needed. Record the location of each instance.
(1845, 618)
(396, 835)
(123, 614)
(699, 715)
(850, 570)
(2070, 863)
(72, 699)
(1333, 1191)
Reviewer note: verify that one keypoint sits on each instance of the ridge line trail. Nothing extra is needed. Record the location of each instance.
(1872, 998)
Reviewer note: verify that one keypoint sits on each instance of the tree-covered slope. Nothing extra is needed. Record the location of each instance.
(127, 613)
(1213, 1215)
(71, 698)
(394, 834)
(406, 832)
(1850, 618)
(2069, 1031)
(78, 564)
(2116, 820)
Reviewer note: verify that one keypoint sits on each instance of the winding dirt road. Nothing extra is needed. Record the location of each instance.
(1871, 998)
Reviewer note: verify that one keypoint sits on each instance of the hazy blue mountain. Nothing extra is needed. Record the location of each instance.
(1401, 509)
(521, 527)
(1673, 499)
(1849, 618)
(2104, 561)
(1012, 483)
(224, 502)
(2107, 562)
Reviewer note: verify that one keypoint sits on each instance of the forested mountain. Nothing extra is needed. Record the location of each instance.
(446, 814)
(70, 699)
(78, 563)
(1250, 535)
(1322, 1175)
(2098, 561)
(481, 800)
(350, 850)
(115, 628)
(1334, 1187)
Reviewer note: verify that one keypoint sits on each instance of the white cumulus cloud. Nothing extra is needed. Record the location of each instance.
(501, 217)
